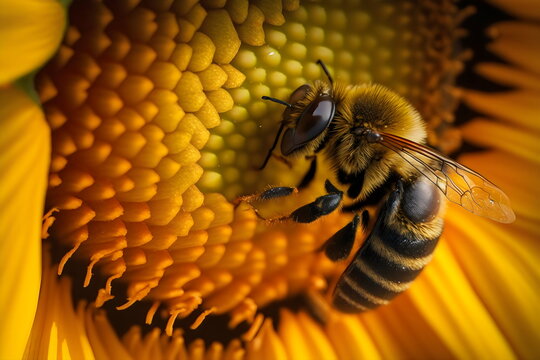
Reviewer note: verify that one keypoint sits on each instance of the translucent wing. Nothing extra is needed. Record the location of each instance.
(460, 184)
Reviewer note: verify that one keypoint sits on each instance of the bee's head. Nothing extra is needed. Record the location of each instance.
(311, 112)
(368, 111)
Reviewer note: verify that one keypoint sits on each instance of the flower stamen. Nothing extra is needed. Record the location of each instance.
(246, 311)
(254, 329)
(136, 297)
(47, 221)
(151, 312)
(66, 257)
(201, 318)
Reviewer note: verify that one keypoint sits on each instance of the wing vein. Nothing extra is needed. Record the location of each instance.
(468, 188)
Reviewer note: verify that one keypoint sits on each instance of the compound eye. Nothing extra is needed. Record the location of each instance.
(312, 122)
(297, 95)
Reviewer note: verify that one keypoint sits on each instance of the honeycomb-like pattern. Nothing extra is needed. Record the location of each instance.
(378, 41)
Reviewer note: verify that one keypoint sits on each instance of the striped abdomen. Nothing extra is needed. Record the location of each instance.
(398, 248)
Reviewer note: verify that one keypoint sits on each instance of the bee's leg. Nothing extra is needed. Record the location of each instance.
(310, 174)
(375, 197)
(338, 247)
(269, 154)
(399, 246)
(323, 205)
(271, 193)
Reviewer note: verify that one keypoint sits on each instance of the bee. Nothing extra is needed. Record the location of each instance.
(374, 141)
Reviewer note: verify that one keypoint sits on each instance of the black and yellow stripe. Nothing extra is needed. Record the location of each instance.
(389, 260)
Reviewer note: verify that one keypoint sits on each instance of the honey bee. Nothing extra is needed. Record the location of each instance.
(374, 141)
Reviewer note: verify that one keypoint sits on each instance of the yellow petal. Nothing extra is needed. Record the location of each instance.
(517, 43)
(527, 9)
(519, 107)
(303, 338)
(449, 303)
(392, 330)
(508, 75)
(295, 343)
(30, 31)
(505, 283)
(59, 331)
(24, 160)
(267, 345)
(520, 142)
(318, 341)
(351, 339)
(515, 175)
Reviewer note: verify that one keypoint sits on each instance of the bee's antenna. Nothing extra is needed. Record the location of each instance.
(276, 101)
(325, 69)
(269, 154)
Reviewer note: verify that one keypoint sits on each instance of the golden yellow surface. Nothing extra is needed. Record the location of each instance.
(157, 125)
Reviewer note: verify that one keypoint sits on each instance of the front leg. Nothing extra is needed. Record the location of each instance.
(310, 174)
(271, 193)
(321, 206)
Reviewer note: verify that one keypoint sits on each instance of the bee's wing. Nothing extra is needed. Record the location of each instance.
(460, 184)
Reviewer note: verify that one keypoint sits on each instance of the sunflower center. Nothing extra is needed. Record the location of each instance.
(157, 124)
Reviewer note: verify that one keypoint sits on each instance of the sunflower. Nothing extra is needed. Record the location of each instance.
(130, 128)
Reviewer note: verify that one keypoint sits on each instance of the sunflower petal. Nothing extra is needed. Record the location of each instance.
(520, 142)
(503, 282)
(394, 328)
(267, 345)
(24, 160)
(517, 43)
(527, 9)
(519, 107)
(31, 31)
(293, 339)
(508, 75)
(450, 304)
(351, 339)
(516, 176)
